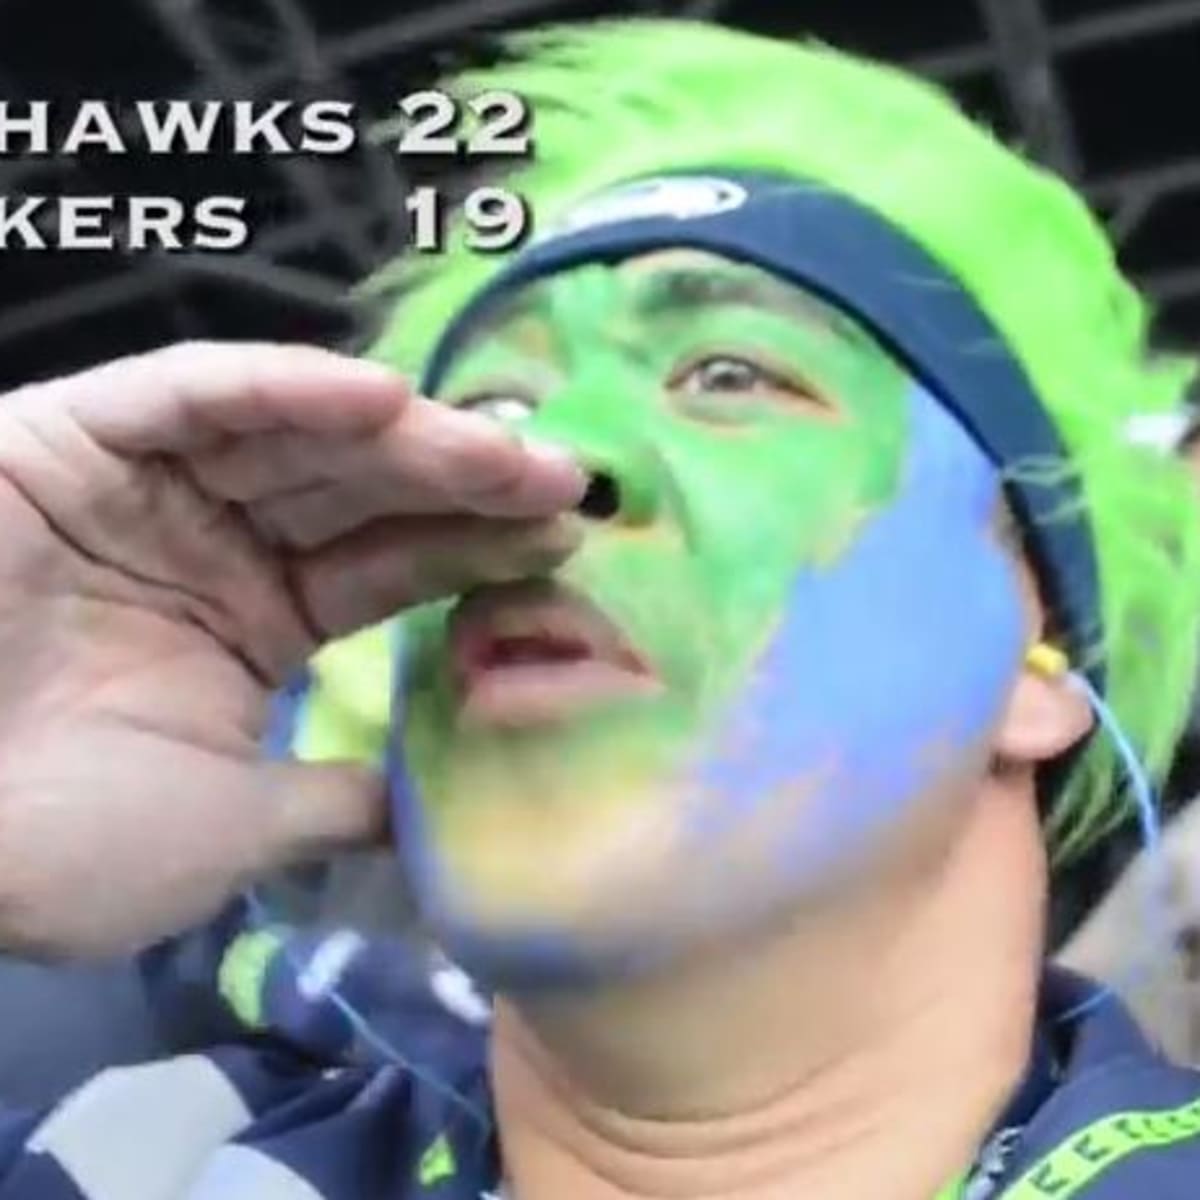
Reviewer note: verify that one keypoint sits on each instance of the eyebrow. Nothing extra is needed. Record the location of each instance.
(526, 302)
(676, 291)
(672, 292)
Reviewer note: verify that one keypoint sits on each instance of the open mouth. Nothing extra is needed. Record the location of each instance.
(537, 652)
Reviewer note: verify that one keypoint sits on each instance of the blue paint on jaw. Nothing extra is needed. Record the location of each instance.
(529, 959)
(901, 651)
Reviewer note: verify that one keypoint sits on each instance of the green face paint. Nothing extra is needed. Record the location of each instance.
(751, 431)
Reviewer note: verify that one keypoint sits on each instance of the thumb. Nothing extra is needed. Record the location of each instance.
(316, 810)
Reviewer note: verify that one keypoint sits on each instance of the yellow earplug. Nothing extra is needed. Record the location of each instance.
(1047, 660)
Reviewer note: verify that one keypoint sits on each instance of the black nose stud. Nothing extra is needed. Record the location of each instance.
(602, 500)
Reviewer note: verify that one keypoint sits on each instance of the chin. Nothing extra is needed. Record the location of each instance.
(536, 960)
(633, 920)
(531, 920)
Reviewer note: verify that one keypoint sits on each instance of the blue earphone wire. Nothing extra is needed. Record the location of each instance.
(1146, 805)
(362, 1027)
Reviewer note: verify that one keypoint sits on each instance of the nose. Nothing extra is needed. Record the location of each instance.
(615, 444)
(624, 483)
(602, 500)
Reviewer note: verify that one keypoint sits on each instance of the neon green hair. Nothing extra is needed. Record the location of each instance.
(615, 100)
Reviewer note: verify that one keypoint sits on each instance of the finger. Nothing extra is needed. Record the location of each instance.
(194, 395)
(269, 468)
(431, 459)
(312, 811)
(461, 462)
(265, 465)
(311, 517)
(370, 575)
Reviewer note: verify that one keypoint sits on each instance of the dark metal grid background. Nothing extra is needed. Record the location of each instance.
(1103, 91)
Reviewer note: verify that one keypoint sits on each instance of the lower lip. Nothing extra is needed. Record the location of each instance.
(531, 694)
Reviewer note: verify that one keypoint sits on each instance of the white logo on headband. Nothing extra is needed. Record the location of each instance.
(1162, 431)
(682, 197)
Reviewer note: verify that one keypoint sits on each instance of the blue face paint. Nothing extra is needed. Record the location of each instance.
(888, 666)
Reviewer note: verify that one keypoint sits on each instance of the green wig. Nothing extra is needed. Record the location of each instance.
(620, 99)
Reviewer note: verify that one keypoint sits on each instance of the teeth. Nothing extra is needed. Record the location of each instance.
(566, 631)
(512, 625)
(514, 652)
(533, 625)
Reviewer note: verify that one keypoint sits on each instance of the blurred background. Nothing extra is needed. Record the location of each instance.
(1102, 91)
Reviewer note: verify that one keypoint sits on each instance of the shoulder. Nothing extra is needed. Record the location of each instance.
(1123, 1123)
(247, 1121)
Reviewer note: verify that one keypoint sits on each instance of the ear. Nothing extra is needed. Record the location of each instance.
(1046, 716)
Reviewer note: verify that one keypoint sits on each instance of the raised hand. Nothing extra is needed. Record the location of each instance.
(178, 532)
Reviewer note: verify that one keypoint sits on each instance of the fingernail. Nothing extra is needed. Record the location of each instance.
(554, 456)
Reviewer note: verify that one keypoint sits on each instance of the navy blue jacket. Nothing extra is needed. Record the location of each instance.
(301, 1106)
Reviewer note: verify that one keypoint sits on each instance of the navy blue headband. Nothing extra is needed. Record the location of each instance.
(844, 252)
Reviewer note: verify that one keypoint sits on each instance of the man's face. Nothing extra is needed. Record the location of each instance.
(794, 628)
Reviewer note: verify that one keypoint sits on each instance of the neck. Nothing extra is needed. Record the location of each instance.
(847, 1055)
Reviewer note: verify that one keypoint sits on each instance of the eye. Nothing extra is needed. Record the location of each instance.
(723, 373)
(507, 406)
(718, 387)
